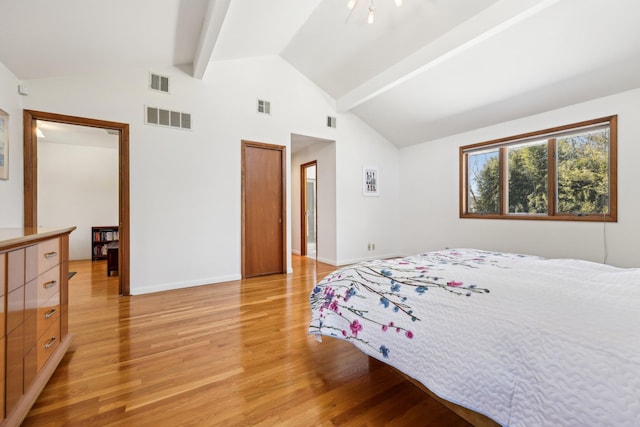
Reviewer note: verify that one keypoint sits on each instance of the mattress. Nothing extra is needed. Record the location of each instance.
(523, 340)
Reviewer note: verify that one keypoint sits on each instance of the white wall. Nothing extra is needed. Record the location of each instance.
(11, 190)
(361, 219)
(77, 186)
(185, 185)
(325, 155)
(430, 195)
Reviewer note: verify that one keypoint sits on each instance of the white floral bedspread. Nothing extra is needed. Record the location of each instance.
(524, 340)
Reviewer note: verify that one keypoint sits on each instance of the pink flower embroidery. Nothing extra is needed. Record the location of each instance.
(409, 334)
(454, 284)
(355, 327)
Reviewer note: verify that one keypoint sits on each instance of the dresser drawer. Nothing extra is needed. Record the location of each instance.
(48, 255)
(15, 367)
(15, 309)
(48, 314)
(48, 284)
(15, 270)
(48, 342)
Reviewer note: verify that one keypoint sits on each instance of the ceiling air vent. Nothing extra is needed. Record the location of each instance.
(185, 121)
(161, 117)
(331, 122)
(159, 83)
(264, 107)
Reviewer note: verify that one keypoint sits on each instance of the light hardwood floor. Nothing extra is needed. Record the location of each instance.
(227, 354)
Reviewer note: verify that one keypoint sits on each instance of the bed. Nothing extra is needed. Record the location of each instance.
(522, 340)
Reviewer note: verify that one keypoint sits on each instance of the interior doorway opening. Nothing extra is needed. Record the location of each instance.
(30, 120)
(78, 185)
(305, 151)
(309, 209)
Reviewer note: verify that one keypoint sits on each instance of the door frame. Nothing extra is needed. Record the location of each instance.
(303, 207)
(283, 203)
(30, 118)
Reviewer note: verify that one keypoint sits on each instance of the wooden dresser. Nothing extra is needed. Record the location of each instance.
(33, 314)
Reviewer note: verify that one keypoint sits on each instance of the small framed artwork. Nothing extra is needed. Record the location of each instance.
(4, 145)
(370, 181)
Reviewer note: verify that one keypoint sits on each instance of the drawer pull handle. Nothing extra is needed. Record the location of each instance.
(51, 254)
(50, 344)
(50, 313)
(50, 284)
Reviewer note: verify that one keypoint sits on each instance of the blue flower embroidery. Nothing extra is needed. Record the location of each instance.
(351, 292)
(384, 302)
(385, 351)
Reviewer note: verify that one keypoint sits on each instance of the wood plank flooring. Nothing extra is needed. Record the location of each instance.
(230, 354)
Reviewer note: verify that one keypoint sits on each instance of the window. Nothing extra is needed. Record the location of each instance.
(564, 173)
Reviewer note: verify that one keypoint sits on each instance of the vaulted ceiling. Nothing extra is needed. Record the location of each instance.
(421, 71)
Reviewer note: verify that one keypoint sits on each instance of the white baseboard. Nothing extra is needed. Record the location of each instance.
(327, 261)
(357, 260)
(181, 285)
(229, 278)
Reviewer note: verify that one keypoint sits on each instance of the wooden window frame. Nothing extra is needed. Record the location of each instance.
(550, 134)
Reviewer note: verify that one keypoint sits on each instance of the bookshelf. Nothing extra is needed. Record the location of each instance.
(103, 238)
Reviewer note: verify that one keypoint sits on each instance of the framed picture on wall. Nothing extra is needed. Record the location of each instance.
(4, 145)
(370, 181)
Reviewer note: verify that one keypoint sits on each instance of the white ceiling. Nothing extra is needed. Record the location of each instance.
(44, 38)
(60, 133)
(425, 70)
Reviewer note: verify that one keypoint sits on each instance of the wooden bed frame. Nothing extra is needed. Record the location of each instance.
(472, 417)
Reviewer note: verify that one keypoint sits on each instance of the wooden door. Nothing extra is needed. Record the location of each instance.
(263, 209)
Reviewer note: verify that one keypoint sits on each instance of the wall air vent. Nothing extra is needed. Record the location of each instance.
(161, 117)
(331, 122)
(159, 83)
(264, 107)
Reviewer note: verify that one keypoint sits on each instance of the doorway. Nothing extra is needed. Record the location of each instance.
(78, 184)
(263, 209)
(30, 119)
(309, 209)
